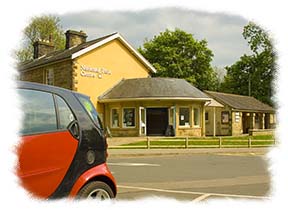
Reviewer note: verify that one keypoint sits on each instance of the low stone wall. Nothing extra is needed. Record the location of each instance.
(261, 132)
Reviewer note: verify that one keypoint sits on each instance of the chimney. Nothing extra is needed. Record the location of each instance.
(74, 38)
(42, 48)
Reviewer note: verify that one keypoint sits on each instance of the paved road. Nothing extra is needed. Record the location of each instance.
(192, 177)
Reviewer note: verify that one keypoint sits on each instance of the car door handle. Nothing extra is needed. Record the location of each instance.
(74, 129)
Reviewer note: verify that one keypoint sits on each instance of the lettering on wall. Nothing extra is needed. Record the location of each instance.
(86, 71)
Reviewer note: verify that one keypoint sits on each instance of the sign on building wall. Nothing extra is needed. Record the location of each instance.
(98, 72)
(237, 116)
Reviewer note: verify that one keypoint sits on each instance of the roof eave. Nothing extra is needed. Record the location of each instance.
(152, 99)
(252, 110)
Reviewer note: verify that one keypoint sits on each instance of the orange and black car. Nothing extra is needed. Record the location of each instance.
(62, 150)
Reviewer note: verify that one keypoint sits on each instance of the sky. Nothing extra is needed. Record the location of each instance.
(16, 14)
(223, 32)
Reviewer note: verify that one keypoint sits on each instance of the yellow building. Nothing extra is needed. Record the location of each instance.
(117, 79)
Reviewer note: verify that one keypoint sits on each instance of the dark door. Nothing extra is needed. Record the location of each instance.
(245, 122)
(157, 121)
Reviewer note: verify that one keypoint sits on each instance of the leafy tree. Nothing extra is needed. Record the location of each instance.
(177, 54)
(253, 74)
(46, 27)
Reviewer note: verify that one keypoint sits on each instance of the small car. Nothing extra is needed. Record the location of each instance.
(62, 150)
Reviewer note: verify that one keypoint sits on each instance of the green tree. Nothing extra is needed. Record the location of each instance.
(46, 27)
(177, 54)
(253, 74)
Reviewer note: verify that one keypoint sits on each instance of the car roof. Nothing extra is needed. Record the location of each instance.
(47, 88)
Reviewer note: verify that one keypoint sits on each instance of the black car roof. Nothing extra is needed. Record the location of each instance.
(47, 88)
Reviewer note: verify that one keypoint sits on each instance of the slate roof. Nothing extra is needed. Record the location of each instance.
(60, 54)
(145, 88)
(240, 102)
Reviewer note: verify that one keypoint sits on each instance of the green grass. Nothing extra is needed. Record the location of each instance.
(207, 141)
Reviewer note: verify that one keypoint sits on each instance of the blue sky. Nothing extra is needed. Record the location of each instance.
(222, 31)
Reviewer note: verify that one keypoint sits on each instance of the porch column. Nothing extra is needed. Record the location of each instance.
(203, 121)
(214, 121)
(253, 120)
(263, 121)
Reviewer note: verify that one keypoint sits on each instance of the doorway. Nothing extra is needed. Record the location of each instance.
(245, 122)
(157, 121)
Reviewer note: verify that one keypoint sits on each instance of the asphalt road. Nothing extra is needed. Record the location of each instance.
(195, 177)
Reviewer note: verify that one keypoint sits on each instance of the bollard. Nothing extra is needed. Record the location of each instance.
(186, 142)
(220, 142)
(249, 142)
(148, 143)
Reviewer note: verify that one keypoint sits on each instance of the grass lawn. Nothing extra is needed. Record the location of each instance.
(241, 141)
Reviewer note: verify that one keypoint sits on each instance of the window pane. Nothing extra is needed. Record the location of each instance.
(50, 77)
(90, 109)
(115, 118)
(196, 116)
(39, 111)
(206, 116)
(65, 114)
(184, 117)
(225, 117)
(129, 117)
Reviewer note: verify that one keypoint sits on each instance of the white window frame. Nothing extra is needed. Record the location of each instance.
(199, 117)
(189, 117)
(111, 117)
(123, 124)
(49, 76)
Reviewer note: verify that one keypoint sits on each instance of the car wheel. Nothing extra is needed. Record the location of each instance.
(96, 190)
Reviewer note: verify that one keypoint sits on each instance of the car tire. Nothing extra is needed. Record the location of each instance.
(96, 190)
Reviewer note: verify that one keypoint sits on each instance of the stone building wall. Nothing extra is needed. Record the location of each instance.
(62, 74)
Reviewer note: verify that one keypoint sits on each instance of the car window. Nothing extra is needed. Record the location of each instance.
(90, 109)
(65, 114)
(38, 111)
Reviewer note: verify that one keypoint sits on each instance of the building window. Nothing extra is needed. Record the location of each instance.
(206, 116)
(114, 118)
(128, 117)
(184, 116)
(196, 117)
(49, 77)
(225, 117)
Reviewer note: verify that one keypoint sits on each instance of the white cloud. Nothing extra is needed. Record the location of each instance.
(222, 31)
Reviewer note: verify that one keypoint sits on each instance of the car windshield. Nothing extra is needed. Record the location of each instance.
(90, 109)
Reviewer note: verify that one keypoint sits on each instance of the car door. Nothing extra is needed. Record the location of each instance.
(47, 148)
